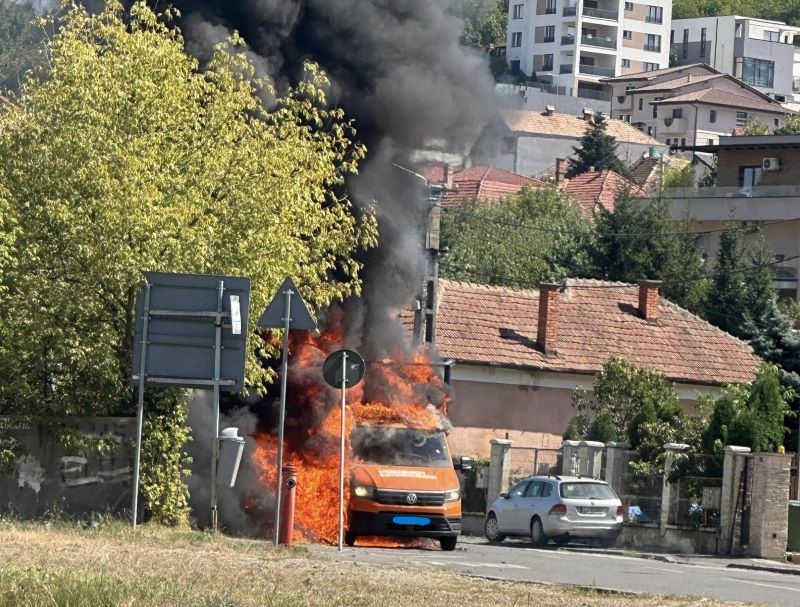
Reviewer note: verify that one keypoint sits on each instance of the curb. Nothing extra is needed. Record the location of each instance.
(776, 569)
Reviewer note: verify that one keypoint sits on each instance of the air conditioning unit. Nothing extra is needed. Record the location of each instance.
(770, 164)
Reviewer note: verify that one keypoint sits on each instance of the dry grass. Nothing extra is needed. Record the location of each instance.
(71, 567)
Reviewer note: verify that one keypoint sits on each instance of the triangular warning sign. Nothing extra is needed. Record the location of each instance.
(274, 317)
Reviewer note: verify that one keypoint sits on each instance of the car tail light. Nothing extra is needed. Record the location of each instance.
(620, 510)
(558, 509)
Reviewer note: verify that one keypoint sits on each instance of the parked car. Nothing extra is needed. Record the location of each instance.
(558, 508)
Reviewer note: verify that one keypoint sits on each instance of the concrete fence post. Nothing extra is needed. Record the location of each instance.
(672, 449)
(616, 464)
(499, 468)
(769, 520)
(732, 469)
(570, 458)
(590, 458)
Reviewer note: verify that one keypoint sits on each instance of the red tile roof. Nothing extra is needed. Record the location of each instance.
(485, 183)
(567, 125)
(599, 188)
(488, 325)
(726, 98)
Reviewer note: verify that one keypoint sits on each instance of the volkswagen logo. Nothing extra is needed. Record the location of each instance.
(411, 498)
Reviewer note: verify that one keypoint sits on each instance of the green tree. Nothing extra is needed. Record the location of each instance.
(125, 157)
(791, 124)
(636, 241)
(485, 22)
(20, 42)
(597, 150)
(536, 236)
(780, 10)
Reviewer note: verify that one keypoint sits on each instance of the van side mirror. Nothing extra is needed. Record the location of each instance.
(504, 496)
(465, 463)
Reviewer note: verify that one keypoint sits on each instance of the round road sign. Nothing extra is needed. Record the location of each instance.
(353, 366)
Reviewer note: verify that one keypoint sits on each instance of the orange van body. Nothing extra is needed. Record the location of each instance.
(406, 495)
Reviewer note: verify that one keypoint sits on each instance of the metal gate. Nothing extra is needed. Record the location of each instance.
(793, 477)
(529, 461)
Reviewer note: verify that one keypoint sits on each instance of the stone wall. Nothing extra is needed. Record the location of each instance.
(769, 505)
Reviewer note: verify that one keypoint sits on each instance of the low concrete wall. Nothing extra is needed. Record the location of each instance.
(649, 537)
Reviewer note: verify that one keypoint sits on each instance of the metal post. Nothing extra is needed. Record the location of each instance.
(342, 454)
(140, 406)
(215, 404)
(284, 372)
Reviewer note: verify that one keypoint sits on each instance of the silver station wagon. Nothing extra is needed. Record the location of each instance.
(558, 508)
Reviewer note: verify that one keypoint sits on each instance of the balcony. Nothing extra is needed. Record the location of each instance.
(593, 70)
(653, 48)
(567, 40)
(549, 38)
(570, 11)
(756, 203)
(658, 20)
(565, 69)
(547, 67)
(600, 13)
(550, 10)
(599, 42)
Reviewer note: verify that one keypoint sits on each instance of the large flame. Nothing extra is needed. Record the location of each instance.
(401, 389)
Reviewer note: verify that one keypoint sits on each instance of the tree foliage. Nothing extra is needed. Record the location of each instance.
(779, 10)
(536, 236)
(20, 42)
(598, 150)
(485, 22)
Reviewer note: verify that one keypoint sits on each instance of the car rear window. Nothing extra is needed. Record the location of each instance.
(597, 491)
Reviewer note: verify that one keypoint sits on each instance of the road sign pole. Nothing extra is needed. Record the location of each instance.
(341, 452)
(215, 405)
(140, 405)
(282, 418)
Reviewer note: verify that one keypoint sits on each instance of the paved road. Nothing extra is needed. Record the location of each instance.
(706, 577)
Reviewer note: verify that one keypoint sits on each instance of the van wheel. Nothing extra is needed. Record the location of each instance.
(491, 529)
(448, 543)
(350, 538)
(537, 532)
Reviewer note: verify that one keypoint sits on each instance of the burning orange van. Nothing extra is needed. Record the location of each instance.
(403, 484)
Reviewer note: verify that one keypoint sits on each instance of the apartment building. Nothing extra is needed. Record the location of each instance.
(759, 52)
(574, 43)
(690, 105)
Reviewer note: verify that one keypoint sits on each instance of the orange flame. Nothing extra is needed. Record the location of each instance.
(403, 388)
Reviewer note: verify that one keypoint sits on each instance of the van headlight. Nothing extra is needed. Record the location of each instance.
(452, 496)
(365, 491)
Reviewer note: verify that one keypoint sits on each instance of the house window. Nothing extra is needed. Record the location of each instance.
(677, 112)
(712, 116)
(653, 43)
(683, 141)
(626, 63)
(655, 107)
(628, 6)
(627, 34)
(547, 63)
(703, 42)
(772, 36)
(516, 39)
(776, 122)
(749, 176)
(655, 14)
(756, 72)
(550, 33)
(685, 47)
(550, 8)
(641, 103)
(517, 13)
(650, 131)
(710, 141)
(741, 118)
(650, 67)
(672, 36)
(669, 141)
(515, 66)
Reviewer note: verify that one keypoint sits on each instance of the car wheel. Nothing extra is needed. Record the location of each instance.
(491, 529)
(448, 543)
(537, 532)
(350, 538)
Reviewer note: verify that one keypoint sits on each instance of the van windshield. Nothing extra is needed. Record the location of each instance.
(390, 446)
(592, 491)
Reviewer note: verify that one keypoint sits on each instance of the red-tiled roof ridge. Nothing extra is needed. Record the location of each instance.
(655, 73)
(488, 183)
(599, 188)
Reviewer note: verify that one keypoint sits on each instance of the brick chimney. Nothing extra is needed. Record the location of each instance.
(547, 332)
(648, 299)
(560, 169)
(550, 110)
(448, 176)
(588, 113)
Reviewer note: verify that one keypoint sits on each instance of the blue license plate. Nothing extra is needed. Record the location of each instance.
(411, 520)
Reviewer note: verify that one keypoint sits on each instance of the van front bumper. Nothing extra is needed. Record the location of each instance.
(405, 524)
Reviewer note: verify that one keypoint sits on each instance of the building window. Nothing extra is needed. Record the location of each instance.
(685, 48)
(627, 34)
(517, 13)
(515, 66)
(776, 122)
(756, 72)
(550, 8)
(741, 118)
(655, 14)
(683, 141)
(641, 103)
(653, 43)
(749, 176)
(629, 6)
(677, 112)
(650, 131)
(650, 67)
(516, 39)
(626, 63)
(710, 141)
(712, 116)
(550, 33)
(669, 141)
(672, 36)
(547, 63)
(703, 42)
(772, 36)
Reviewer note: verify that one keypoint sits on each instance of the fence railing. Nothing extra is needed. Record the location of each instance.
(600, 13)
(529, 461)
(695, 501)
